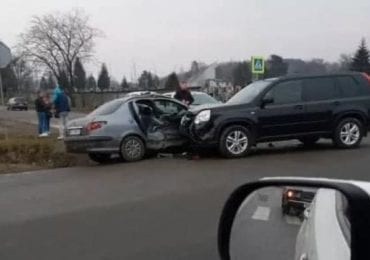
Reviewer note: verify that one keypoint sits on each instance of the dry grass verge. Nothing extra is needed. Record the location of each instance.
(29, 150)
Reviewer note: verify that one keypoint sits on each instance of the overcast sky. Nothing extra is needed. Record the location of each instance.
(166, 35)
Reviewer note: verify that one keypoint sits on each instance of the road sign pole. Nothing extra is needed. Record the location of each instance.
(1, 92)
(258, 67)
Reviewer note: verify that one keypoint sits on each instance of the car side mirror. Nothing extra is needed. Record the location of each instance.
(265, 101)
(296, 218)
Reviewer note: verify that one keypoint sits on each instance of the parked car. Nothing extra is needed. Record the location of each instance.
(295, 201)
(200, 98)
(17, 103)
(306, 108)
(130, 127)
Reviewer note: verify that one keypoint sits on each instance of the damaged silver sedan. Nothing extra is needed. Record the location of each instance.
(130, 127)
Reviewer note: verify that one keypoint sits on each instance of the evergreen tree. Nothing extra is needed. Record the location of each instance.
(361, 60)
(172, 82)
(242, 74)
(79, 75)
(91, 83)
(146, 80)
(103, 80)
(276, 67)
(64, 82)
(194, 68)
(9, 80)
(124, 84)
(156, 82)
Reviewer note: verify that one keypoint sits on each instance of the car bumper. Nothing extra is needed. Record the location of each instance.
(90, 144)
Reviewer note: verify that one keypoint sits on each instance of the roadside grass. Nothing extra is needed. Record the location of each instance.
(33, 151)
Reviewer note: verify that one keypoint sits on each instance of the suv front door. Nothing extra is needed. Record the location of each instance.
(284, 116)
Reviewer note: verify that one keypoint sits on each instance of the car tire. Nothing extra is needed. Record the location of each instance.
(231, 145)
(348, 133)
(132, 149)
(101, 158)
(309, 140)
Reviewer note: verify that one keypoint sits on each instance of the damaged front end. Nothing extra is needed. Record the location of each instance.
(202, 133)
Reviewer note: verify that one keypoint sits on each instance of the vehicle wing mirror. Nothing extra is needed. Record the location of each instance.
(266, 101)
(286, 219)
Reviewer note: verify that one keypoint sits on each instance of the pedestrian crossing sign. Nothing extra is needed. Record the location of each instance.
(258, 65)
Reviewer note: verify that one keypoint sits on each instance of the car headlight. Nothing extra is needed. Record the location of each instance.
(203, 117)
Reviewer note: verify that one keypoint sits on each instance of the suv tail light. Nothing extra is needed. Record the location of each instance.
(95, 125)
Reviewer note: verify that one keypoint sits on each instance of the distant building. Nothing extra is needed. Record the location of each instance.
(199, 81)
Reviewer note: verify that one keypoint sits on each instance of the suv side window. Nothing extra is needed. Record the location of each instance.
(349, 87)
(317, 89)
(168, 107)
(286, 92)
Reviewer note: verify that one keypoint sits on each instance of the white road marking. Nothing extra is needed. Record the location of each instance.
(262, 213)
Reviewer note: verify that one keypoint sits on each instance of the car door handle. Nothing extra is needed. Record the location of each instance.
(298, 107)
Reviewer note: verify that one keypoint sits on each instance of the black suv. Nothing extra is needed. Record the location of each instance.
(306, 108)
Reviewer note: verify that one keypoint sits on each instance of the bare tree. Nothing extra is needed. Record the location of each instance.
(56, 40)
(23, 73)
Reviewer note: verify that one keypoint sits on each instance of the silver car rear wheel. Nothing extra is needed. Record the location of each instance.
(132, 149)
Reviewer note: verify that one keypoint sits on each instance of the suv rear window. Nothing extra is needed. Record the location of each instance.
(349, 87)
(317, 89)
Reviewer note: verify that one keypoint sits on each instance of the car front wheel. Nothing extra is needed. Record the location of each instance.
(132, 149)
(100, 157)
(235, 142)
(348, 133)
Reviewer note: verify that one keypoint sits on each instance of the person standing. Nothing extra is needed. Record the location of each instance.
(41, 114)
(183, 94)
(48, 106)
(56, 92)
(62, 110)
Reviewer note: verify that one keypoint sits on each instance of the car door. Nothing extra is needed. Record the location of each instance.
(284, 116)
(321, 98)
(170, 113)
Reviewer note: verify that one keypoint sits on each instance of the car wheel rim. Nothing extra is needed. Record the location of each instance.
(237, 142)
(133, 149)
(349, 133)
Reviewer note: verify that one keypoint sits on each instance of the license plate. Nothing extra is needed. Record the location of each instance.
(75, 132)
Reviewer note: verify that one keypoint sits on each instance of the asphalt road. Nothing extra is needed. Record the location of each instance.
(154, 209)
(30, 116)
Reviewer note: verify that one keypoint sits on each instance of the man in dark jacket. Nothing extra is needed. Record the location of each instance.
(62, 109)
(41, 114)
(183, 94)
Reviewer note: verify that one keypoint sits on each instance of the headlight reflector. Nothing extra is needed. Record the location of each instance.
(202, 117)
